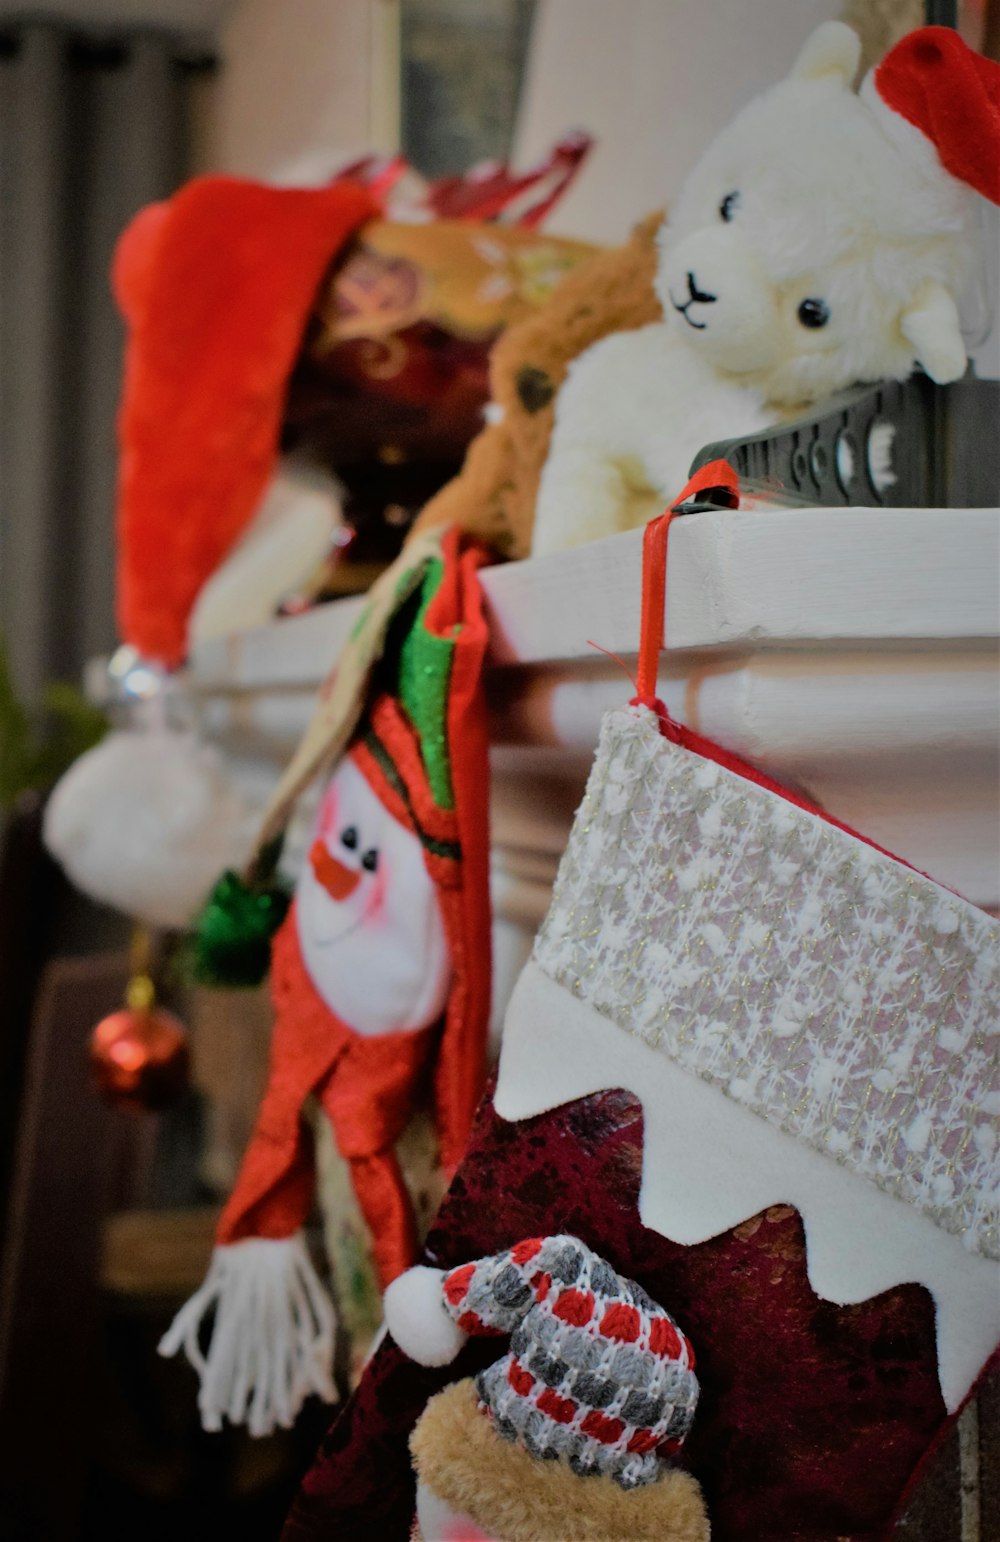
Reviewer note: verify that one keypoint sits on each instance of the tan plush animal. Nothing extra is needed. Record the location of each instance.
(494, 494)
(568, 1436)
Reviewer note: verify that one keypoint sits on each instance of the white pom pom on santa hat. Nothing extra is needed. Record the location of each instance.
(940, 102)
(416, 1317)
(146, 822)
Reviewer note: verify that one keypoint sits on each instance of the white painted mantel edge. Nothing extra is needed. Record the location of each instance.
(850, 652)
(745, 580)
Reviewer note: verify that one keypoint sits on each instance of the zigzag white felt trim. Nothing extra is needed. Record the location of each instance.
(709, 1165)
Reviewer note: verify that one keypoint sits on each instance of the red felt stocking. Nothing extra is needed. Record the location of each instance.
(379, 970)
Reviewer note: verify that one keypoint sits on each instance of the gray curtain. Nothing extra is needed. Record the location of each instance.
(90, 130)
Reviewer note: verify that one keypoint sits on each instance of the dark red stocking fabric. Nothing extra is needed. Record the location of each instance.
(812, 1417)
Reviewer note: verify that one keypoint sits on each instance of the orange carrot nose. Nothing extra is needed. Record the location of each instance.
(339, 881)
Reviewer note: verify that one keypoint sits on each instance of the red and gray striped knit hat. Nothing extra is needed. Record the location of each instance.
(597, 1375)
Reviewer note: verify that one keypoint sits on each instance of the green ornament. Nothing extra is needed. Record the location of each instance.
(232, 941)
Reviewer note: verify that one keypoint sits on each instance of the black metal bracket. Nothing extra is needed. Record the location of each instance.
(892, 445)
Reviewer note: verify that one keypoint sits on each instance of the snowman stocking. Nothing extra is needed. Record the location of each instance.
(380, 978)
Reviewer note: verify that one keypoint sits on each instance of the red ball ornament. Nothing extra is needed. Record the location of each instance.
(139, 1056)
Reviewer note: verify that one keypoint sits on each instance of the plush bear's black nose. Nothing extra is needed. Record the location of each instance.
(700, 295)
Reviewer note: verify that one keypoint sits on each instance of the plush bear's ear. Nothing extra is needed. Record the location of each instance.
(833, 50)
(930, 322)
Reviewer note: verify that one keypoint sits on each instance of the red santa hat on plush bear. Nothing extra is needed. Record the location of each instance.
(933, 82)
(939, 102)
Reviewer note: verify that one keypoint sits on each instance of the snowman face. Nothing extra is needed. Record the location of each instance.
(369, 920)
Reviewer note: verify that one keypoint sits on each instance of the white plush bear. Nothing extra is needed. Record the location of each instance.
(818, 242)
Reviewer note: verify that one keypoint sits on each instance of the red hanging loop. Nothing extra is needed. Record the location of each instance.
(718, 476)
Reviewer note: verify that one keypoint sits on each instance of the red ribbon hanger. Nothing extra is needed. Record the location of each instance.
(715, 486)
(717, 478)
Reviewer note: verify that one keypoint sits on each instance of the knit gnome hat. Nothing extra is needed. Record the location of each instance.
(215, 286)
(598, 1382)
(597, 1374)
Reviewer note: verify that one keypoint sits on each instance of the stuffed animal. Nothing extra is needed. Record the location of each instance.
(493, 497)
(823, 239)
(568, 1435)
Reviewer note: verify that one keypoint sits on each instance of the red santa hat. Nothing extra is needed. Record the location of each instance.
(215, 285)
(934, 82)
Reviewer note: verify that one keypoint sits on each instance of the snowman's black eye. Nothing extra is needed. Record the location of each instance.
(370, 860)
(814, 313)
(729, 205)
(349, 837)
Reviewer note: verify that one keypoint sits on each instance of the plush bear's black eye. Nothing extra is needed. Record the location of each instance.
(814, 313)
(729, 205)
(349, 837)
(370, 860)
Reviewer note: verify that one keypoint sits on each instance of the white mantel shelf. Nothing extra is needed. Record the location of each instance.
(853, 652)
(750, 580)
